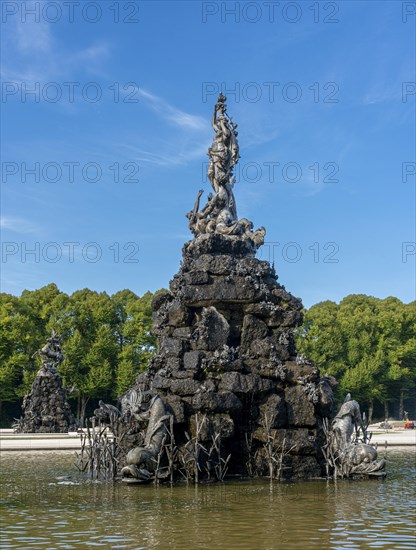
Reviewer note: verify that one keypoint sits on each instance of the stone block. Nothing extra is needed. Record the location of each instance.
(300, 412)
(216, 402)
(244, 383)
(185, 386)
(223, 290)
(179, 315)
(274, 409)
(220, 264)
(175, 406)
(295, 371)
(184, 333)
(192, 360)
(173, 364)
(161, 299)
(196, 278)
(254, 329)
(209, 426)
(160, 383)
(213, 328)
(171, 347)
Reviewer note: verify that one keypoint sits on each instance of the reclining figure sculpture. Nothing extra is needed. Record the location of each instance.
(350, 452)
(142, 460)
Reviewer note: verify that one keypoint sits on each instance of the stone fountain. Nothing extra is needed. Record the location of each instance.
(45, 407)
(226, 393)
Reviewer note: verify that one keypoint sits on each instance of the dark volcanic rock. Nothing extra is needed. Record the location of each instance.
(192, 360)
(45, 408)
(216, 402)
(213, 330)
(227, 366)
(275, 410)
(300, 411)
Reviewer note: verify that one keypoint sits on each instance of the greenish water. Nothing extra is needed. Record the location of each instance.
(46, 505)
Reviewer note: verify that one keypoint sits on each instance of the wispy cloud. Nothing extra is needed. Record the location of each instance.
(18, 225)
(181, 158)
(380, 93)
(33, 54)
(173, 114)
(177, 150)
(32, 37)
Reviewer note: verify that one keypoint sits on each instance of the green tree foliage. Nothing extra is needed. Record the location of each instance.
(107, 341)
(135, 340)
(368, 344)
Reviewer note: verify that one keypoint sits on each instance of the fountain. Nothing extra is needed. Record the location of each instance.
(226, 393)
(45, 408)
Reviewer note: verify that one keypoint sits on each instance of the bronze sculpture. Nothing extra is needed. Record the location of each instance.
(219, 215)
(348, 451)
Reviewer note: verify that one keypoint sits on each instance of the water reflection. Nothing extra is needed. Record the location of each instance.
(45, 504)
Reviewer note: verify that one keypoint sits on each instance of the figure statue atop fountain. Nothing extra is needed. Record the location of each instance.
(219, 215)
(51, 352)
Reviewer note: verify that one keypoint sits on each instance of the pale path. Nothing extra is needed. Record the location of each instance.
(394, 438)
(10, 441)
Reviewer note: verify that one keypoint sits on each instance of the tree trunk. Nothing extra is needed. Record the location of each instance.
(370, 411)
(84, 402)
(401, 405)
(386, 410)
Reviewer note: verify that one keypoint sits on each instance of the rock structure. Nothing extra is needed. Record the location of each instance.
(227, 367)
(45, 408)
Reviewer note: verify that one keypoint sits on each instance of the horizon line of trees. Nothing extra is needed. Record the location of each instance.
(368, 344)
(106, 341)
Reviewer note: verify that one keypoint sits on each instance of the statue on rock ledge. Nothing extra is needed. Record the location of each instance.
(45, 408)
(348, 452)
(219, 215)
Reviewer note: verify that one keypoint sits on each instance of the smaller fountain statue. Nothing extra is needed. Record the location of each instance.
(348, 452)
(45, 408)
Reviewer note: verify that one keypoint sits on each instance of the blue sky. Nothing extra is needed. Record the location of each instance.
(324, 95)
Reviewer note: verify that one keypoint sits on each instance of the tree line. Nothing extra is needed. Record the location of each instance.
(106, 341)
(367, 344)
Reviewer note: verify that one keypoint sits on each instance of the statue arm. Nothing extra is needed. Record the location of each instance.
(214, 120)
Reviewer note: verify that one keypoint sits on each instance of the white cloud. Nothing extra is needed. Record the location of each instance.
(18, 225)
(173, 114)
(33, 37)
(166, 159)
(33, 55)
(176, 151)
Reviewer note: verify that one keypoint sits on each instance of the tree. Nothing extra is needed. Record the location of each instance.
(368, 344)
(90, 346)
(136, 342)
